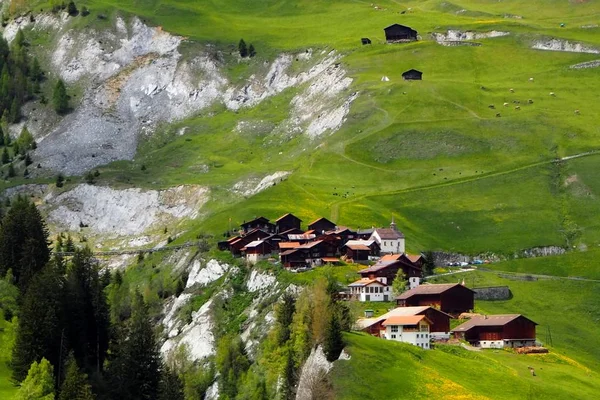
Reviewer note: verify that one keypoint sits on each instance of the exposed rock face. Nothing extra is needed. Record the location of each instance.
(587, 64)
(203, 276)
(252, 186)
(260, 281)
(563, 45)
(314, 369)
(493, 293)
(453, 35)
(112, 212)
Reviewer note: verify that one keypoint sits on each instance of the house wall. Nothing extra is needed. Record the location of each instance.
(440, 323)
(413, 282)
(520, 328)
(255, 257)
(457, 300)
(387, 246)
(367, 293)
(419, 338)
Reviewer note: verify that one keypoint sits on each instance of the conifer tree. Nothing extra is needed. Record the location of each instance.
(288, 377)
(1, 137)
(134, 372)
(11, 171)
(60, 99)
(39, 331)
(36, 71)
(284, 316)
(75, 385)
(170, 387)
(15, 111)
(25, 140)
(28, 159)
(39, 384)
(333, 343)
(242, 48)
(5, 156)
(251, 51)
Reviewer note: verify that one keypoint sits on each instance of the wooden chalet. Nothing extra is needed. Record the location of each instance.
(452, 298)
(287, 222)
(440, 321)
(498, 331)
(321, 225)
(258, 223)
(389, 270)
(360, 250)
(399, 33)
(257, 250)
(365, 41)
(305, 255)
(364, 234)
(235, 246)
(292, 231)
(412, 75)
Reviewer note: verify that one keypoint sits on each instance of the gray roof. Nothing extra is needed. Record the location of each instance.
(429, 289)
(488, 320)
(389, 233)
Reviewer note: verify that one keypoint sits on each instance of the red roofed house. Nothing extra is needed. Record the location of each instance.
(413, 329)
(321, 225)
(257, 250)
(389, 270)
(497, 331)
(451, 298)
(390, 240)
(287, 222)
(439, 327)
(366, 289)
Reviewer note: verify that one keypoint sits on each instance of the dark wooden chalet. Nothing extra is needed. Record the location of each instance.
(399, 33)
(440, 321)
(360, 250)
(389, 270)
(258, 223)
(257, 250)
(287, 222)
(321, 225)
(365, 41)
(452, 298)
(510, 330)
(364, 234)
(307, 254)
(293, 231)
(412, 75)
(255, 234)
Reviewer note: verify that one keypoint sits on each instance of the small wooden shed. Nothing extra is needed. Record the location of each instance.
(412, 75)
(399, 33)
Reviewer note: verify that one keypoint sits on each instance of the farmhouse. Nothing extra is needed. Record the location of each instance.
(365, 41)
(321, 225)
(412, 75)
(366, 289)
(257, 250)
(399, 33)
(452, 298)
(388, 270)
(258, 223)
(497, 331)
(390, 240)
(439, 327)
(412, 329)
(287, 222)
(360, 250)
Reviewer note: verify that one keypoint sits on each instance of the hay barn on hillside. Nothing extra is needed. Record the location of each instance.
(412, 75)
(399, 33)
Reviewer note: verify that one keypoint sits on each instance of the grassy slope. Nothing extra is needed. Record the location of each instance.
(7, 389)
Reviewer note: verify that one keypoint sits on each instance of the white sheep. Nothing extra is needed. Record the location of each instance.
(517, 107)
(530, 79)
(512, 90)
(577, 112)
(552, 94)
(505, 104)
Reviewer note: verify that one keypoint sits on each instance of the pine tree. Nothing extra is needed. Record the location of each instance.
(36, 71)
(60, 179)
(333, 343)
(251, 51)
(11, 171)
(15, 111)
(25, 139)
(28, 159)
(242, 48)
(5, 156)
(19, 40)
(1, 137)
(75, 386)
(170, 387)
(60, 98)
(72, 9)
(134, 372)
(39, 331)
(284, 316)
(288, 377)
(39, 384)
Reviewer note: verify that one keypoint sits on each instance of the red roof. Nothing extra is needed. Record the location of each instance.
(310, 244)
(358, 247)
(288, 245)
(288, 252)
(404, 320)
(413, 258)
(366, 282)
(390, 257)
(330, 259)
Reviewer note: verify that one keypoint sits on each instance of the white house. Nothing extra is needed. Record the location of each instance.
(413, 329)
(366, 289)
(390, 240)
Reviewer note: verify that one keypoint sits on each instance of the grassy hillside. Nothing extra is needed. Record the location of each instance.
(405, 371)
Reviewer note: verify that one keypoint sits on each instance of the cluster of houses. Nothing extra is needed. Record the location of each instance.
(323, 242)
(423, 315)
(397, 33)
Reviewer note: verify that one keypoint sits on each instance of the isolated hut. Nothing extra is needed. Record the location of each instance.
(365, 41)
(399, 33)
(412, 75)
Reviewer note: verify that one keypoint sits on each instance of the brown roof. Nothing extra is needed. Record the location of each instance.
(288, 245)
(382, 265)
(330, 259)
(488, 320)
(389, 233)
(288, 252)
(233, 239)
(310, 244)
(413, 257)
(429, 289)
(366, 282)
(358, 247)
(285, 215)
(390, 257)
(404, 320)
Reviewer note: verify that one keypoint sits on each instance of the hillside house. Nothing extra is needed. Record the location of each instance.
(366, 289)
(321, 225)
(365, 41)
(439, 327)
(305, 255)
(257, 250)
(360, 250)
(388, 270)
(497, 331)
(452, 298)
(390, 240)
(287, 222)
(364, 234)
(412, 75)
(258, 223)
(399, 33)
(412, 329)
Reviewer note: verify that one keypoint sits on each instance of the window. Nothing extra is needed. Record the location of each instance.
(384, 243)
(427, 345)
(393, 336)
(424, 328)
(394, 328)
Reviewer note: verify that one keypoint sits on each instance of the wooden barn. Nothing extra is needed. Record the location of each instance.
(440, 321)
(497, 331)
(321, 225)
(389, 270)
(258, 223)
(287, 222)
(257, 250)
(399, 33)
(412, 75)
(365, 41)
(452, 298)
(360, 250)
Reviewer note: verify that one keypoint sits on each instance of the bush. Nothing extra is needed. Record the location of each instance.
(72, 9)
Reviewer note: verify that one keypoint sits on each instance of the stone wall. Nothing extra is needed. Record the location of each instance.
(493, 293)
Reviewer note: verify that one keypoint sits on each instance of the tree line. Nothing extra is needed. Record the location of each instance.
(67, 344)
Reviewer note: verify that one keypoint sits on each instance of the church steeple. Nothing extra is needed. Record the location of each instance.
(393, 224)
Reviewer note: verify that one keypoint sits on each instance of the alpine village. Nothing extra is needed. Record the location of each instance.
(299, 200)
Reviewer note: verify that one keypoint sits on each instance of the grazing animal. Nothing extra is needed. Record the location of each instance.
(530, 79)
(530, 101)
(512, 90)
(505, 104)
(577, 112)
(516, 102)
(517, 107)
(552, 94)
(498, 115)
(491, 106)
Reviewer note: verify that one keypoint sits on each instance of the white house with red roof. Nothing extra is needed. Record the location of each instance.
(413, 329)
(367, 289)
(390, 240)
